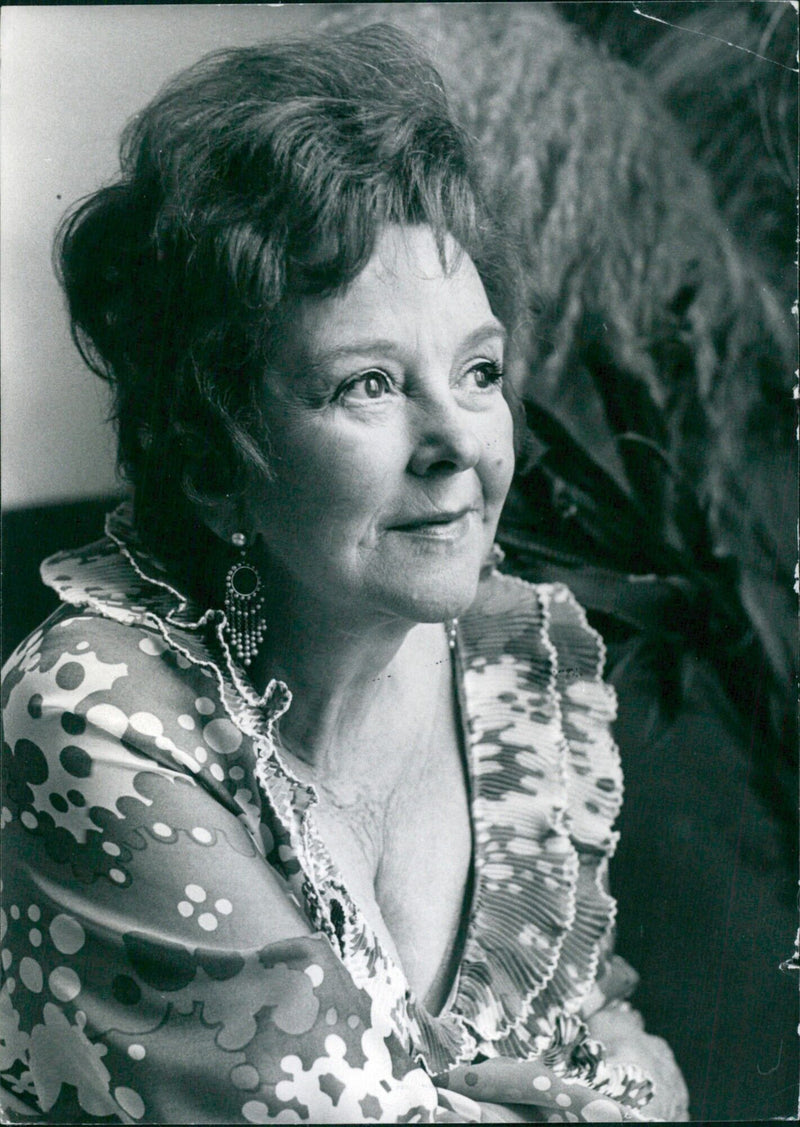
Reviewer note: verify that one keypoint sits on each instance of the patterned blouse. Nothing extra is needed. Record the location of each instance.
(149, 822)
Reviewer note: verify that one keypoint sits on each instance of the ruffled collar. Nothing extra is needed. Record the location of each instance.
(119, 579)
(535, 718)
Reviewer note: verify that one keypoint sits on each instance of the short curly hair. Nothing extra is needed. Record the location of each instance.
(257, 176)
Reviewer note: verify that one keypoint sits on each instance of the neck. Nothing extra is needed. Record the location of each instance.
(351, 683)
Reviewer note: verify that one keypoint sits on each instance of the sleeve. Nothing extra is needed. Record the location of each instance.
(155, 966)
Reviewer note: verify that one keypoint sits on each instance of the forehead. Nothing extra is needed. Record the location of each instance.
(404, 289)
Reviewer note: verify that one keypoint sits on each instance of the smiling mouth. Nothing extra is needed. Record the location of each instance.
(437, 525)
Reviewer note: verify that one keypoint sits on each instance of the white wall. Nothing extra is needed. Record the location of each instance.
(71, 77)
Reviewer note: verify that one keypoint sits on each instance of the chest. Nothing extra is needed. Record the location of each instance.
(405, 859)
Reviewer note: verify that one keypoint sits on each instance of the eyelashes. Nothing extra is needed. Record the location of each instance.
(375, 384)
(491, 373)
(366, 387)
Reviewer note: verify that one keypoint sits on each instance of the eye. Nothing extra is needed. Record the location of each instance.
(486, 374)
(370, 385)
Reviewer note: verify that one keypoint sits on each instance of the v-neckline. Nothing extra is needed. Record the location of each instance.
(531, 937)
(544, 790)
(325, 860)
(454, 956)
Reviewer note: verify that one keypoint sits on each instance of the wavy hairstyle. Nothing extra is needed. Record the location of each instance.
(257, 176)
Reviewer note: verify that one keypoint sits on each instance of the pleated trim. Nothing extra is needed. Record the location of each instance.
(525, 866)
(595, 789)
(546, 787)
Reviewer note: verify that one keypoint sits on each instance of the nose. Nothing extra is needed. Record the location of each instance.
(446, 439)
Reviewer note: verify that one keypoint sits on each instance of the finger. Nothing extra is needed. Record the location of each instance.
(499, 1079)
(502, 1080)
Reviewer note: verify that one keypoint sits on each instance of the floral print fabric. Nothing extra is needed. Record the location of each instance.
(155, 844)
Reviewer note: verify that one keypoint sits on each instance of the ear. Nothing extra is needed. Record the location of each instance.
(223, 517)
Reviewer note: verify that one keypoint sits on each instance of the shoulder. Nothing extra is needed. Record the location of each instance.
(81, 662)
(109, 712)
(120, 761)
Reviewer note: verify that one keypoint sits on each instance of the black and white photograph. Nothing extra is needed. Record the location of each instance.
(399, 563)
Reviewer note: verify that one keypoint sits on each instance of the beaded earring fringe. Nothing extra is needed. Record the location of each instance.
(244, 602)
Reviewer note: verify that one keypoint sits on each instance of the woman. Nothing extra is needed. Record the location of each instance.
(310, 808)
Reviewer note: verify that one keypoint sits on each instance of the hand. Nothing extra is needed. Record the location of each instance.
(621, 1030)
(496, 1085)
(457, 1108)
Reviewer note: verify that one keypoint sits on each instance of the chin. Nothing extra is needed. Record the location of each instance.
(437, 598)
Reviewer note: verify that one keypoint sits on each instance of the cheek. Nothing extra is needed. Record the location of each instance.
(324, 480)
(498, 459)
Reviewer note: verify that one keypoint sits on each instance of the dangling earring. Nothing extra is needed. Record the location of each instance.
(244, 601)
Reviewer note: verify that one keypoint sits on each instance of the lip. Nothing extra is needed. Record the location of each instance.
(436, 525)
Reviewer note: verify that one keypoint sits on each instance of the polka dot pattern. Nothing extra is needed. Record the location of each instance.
(108, 718)
(245, 1077)
(130, 1102)
(67, 934)
(255, 1111)
(152, 646)
(30, 974)
(147, 724)
(73, 724)
(69, 676)
(64, 983)
(315, 973)
(222, 736)
(76, 762)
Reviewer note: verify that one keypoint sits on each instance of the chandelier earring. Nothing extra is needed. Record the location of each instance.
(244, 604)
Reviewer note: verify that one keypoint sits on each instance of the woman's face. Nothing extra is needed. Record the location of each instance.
(390, 439)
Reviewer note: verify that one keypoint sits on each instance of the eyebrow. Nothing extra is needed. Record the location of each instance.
(390, 347)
